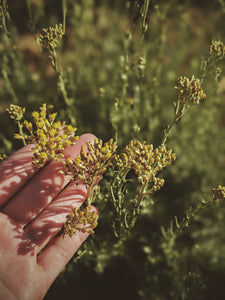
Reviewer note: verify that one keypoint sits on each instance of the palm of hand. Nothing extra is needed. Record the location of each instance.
(34, 205)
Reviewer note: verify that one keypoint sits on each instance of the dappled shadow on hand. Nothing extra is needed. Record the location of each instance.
(36, 194)
(49, 222)
(15, 171)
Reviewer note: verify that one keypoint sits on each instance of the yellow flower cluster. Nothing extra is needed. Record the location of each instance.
(217, 49)
(89, 166)
(218, 193)
(2, 157)
(147, 161)
(16, 112)
(50, 138)
(83, 220)
(50, 37)
(190, 90)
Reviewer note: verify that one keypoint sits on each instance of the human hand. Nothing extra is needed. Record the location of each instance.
(33, 207)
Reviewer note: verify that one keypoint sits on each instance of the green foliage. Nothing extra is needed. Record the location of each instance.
(111, 69)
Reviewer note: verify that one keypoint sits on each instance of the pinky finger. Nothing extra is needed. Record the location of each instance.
(58, 253)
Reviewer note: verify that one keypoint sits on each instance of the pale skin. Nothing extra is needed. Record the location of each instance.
(33, 207)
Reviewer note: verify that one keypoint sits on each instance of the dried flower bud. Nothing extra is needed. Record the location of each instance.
(218, 193)
(146, 161)
(89, 166)
(83, 220)
(16, 112)
(50, 37)
(49, 138)
(2, 157)
(190, 91)
(217, 49)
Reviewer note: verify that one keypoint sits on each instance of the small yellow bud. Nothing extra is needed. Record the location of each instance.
(52, 117)
(43, 155)
(40, 124)
(17, 136)
(52, 132)
(57, 125)
(69, 160)
(35, 115)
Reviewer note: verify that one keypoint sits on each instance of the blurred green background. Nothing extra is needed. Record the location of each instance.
(120, 78)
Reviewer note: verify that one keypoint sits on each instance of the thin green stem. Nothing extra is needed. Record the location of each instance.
(144, 17)
(32, 17)
(166, 131)
(60, 76)
(20, 126)
(179, 112)
(141, 194)
(61, 84)
(9, 86)
(135, 214)
(190, 216)
(64, 9)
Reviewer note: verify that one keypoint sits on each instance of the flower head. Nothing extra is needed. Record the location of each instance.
(50, 37)
(190, 90)
(217, 49)
(2, 157)
(83, 220)
(16, 112)
(218, 193)
(146, 161)
(50, 138)
(89, 166)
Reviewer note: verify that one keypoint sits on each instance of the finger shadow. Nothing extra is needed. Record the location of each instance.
(15, 172)
(32, 198)
(48, 224)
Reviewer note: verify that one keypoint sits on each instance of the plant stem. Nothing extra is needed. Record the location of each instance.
(64, 9)
(9, 86)
(21, 132)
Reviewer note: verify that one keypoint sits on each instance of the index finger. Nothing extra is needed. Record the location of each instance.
(19, 170)
(15, 171)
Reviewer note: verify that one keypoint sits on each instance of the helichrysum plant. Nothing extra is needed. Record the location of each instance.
(216, 54)
(217, 50)
(49, 137)
(49, 39)
(87, 168)
(146, 162)
(84, 220)
(174, 232)
(190, 92)
(17, 113)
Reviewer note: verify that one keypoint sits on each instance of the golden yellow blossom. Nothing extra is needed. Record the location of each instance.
(83, 220)
(51, 36)
(218, 193)
(190, 91)
(89, 166)
(146, 162)
(50, 138)
(16, 112)
(2, 157)
(217, 49)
